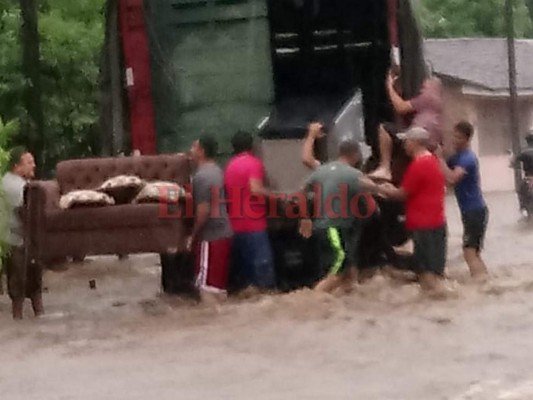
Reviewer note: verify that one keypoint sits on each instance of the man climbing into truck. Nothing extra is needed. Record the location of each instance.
(426, 110)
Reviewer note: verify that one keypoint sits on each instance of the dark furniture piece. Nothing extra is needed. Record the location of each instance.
(55, 234)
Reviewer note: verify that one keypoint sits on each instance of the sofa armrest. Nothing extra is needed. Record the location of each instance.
(44, 194)
(40, 197)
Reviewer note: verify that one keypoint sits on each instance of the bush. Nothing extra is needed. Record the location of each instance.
(71, 34)
(7, 131)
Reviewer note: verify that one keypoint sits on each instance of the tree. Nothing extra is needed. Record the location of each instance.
(473, 18)
(529, 4)
(71, 35)
(31, 61)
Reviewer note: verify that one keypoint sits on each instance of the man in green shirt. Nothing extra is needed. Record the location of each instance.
(341, 201)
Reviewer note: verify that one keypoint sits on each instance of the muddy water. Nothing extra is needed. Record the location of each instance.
(383, 341)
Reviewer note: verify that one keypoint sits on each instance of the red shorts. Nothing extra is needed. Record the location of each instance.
(212, 264)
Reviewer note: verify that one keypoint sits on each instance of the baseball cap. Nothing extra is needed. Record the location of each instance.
(414, 133)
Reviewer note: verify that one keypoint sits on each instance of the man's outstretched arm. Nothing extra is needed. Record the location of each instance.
(453, 175)
(308, 158)
(400, 105)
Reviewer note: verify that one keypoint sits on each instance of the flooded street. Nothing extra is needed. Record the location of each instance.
(123, 341)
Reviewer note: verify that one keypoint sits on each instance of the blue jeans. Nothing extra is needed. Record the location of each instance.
(252, 255)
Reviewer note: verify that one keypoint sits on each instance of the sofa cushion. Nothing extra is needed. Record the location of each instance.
(90, 173)
(85, 198)
(119, 216)
(122, 188)
(160, 192)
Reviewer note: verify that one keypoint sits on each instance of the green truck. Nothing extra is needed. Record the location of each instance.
(266, 66)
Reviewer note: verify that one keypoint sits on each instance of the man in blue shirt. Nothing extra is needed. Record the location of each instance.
(462, 171)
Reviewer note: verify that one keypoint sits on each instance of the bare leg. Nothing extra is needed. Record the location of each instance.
(348, 280)
(385, 149)
(212, 298)
(329, 283)
(37, 304)
(478, 269)
(17, 308)
(433, 285)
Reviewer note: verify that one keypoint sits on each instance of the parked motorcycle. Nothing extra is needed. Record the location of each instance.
(525, 191)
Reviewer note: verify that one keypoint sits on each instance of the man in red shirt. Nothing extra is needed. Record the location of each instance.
(423, 189)
(247, 210)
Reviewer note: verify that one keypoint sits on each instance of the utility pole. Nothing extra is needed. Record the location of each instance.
(513, 104)
(34, 123)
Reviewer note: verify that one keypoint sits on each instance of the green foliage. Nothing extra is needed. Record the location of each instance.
(7, 131)
(71, 34)
(471, 18)
(71, 37)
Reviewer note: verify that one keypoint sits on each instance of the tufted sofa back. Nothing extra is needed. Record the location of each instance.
(90, 173)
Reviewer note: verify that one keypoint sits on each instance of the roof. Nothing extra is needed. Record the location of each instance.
(481, 62)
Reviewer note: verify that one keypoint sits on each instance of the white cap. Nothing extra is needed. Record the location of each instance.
(414, 133)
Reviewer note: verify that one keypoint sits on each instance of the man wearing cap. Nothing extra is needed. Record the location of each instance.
(425, 109)
(423, 189)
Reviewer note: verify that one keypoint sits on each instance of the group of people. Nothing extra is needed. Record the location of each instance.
(236, 229)
(230, 206)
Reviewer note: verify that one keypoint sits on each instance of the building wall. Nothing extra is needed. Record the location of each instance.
(456, 107)
(494, 133)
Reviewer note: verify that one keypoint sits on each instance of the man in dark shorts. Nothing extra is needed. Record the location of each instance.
(426, 110)
(212, 233)
(339, 189)
(24, 278)
(423, 189)
(462, 171)
(525, 158)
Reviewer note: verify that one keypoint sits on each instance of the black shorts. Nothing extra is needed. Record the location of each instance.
(430, 249)
(337, 249)
(393, 129)
(474, 228)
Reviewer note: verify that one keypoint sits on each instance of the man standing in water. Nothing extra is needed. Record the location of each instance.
(423, 189)
(24, 279)
(339, 187)
(211, 234)
(462, 171)
(247, 195)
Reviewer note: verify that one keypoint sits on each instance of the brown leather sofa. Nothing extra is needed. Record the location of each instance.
(54, 234)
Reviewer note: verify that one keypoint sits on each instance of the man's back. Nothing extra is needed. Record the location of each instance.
(208, 179)
(335, 187)
(424, 184)
(468, 190)
(13, 187)
(247, 213)
(428, 109)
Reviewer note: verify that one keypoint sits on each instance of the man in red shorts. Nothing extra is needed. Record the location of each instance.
(423, 189)
(211, 234)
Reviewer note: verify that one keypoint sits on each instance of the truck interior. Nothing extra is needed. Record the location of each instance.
(323, 52)
(224, 65)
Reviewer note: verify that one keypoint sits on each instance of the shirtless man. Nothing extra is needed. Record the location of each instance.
(426, 109)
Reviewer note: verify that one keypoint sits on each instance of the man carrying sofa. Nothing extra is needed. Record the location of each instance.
(24, 279)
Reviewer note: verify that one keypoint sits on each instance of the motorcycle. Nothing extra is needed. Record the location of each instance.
(525, 191)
